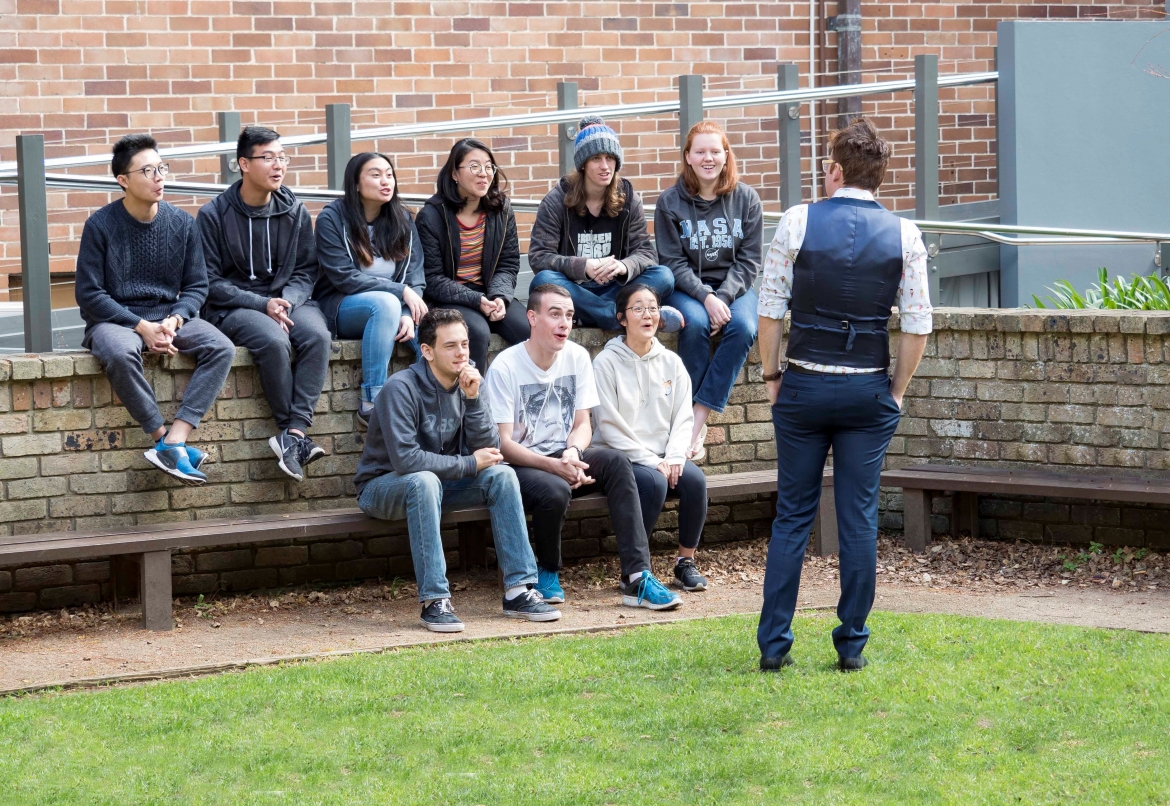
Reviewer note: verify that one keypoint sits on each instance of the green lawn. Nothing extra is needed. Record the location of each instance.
(952, 710)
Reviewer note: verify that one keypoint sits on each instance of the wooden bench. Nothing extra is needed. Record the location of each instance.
(965, 484)
(150, 547)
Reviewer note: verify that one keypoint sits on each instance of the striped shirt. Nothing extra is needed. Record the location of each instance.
(470, 270)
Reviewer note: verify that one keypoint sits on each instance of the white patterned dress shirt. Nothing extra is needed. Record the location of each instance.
(912, 300)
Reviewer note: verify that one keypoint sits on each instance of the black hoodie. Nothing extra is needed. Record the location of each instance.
(438, 229)
(254, 254)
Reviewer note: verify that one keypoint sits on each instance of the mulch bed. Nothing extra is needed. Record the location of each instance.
(964, 565)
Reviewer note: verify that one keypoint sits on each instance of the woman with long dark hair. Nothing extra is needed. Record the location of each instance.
(709, 229)
(371, 281)
(471, 250)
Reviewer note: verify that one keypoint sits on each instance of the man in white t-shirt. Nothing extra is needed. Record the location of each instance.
(540, 393)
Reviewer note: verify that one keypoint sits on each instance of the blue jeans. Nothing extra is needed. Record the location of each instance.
(856, 416)
(593, 303)
(374, 317)
(713, 376)
(421, 498)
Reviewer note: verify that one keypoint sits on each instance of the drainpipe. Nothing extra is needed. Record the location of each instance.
(848, 29)
(812, 83)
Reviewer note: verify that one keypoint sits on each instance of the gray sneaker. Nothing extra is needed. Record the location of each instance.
(531, 606)
(439, 616)
(287, 448)
(688, 577)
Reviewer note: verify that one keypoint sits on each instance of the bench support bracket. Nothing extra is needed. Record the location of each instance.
(965, 514)
(825, 525)
(916, 515)
(472, 544)
(155, 589)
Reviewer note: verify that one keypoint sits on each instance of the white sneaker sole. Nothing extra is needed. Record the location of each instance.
(632, 601)
(191, 481)
(441, 627)
(553, 599)
(696, 589)
(274, 443)
(553, 616)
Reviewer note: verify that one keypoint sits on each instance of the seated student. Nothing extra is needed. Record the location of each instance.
(590, 235)
(140, 283)
(709, 230)
(261, 265)
(371, 260)
(470, 248)
(432, 446)
(540, 393)
(645, 412)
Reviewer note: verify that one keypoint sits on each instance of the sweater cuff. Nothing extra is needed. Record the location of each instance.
(469, 467)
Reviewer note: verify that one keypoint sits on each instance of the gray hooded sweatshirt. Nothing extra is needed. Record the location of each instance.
(712, 247)
(418, 425)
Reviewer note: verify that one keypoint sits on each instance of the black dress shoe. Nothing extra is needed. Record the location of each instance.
(775, 664)
(852, 664)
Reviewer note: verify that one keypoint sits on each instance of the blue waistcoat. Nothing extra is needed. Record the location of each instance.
(844, 283)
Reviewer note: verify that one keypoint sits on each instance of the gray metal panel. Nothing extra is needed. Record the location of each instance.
(229, 129)
(338, 147)
(788, 120)
(690, 110)
(34, 243)
(566, 132)
(1078, 106)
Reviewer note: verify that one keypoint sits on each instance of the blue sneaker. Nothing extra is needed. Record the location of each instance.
(174, 461)
(648, 592)
(548, 585)
(195, 456)
(671, 319)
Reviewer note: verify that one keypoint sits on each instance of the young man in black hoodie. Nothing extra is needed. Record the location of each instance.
(261, 265)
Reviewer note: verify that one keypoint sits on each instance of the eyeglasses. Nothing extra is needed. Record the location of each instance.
(151, 171)
(826, 165)
(638, 310)
(480, 170)
(268, 159)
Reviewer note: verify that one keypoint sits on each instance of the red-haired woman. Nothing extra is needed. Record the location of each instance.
(709, 231)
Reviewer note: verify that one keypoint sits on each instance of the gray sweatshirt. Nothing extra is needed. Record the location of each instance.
(712, 247)
(418, 425)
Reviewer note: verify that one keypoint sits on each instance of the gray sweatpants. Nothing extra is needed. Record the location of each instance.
(119, 349)
(291, 387)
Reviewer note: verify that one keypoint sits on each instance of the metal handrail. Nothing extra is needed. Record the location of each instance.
(551, 117)
(999, 233)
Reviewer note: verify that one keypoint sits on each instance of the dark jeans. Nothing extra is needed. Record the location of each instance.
(594, 303)
(713, 376)
(119, 349)
(513, 328)
(291, 387)
(856, 416)
(691, 492)
(546, 496)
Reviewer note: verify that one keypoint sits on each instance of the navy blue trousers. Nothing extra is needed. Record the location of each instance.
(856, 416)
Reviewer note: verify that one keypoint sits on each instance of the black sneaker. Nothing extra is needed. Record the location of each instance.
(287, 448)
(439, 616)
(530, 605)
(688, 577)
(852, 664)
(364, 413)
(310, 452)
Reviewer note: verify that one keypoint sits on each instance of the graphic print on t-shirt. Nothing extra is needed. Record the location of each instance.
(594, 244)
(546, 412)
(716, 236)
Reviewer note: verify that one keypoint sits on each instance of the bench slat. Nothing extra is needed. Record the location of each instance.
(1023, 483)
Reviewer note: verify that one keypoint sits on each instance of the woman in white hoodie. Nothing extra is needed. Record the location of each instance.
(645, 412)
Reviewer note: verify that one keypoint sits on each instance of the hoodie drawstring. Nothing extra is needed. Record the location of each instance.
(268, 239)
(251, 271)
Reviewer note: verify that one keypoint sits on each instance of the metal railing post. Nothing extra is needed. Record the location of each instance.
(566, 132)
(229, 129)
(926, 158)
(337, 146)
(690, 105)
(34, 243)
(788, 124)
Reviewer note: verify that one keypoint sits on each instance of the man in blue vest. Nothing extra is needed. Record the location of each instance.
(838, 266)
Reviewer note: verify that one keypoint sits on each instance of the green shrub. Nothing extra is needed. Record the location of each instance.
(1138, 293)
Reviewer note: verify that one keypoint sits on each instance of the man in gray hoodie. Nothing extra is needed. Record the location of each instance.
(432, 445)
(261, 265)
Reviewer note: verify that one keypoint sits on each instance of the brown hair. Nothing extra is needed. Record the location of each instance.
(862, 153)
(612, 202)
(536, 295)
(728, 178)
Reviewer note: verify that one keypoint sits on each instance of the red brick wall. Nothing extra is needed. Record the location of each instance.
(84, 72)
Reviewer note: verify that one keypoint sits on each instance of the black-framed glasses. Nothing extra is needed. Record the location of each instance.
(480, 170)
(639, 310)
(268, 159)
(151, 171)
